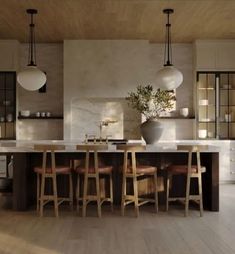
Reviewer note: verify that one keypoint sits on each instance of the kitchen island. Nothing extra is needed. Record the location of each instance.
(160, 155)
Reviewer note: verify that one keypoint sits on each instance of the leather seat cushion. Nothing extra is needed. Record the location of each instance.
(58, 170)
(91, 170)
(143, 169)
(183, 169)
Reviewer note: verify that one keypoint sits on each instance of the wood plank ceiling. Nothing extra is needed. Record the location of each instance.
(118, 19)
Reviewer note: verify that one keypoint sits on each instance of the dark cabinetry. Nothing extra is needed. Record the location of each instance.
(216, 105)
(7, 105)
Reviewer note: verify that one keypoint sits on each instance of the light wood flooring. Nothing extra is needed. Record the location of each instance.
(162, 233)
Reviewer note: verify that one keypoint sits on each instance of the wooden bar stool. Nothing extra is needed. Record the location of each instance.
(134, 171)
(50, 171)
(93, 169)
(191, 171)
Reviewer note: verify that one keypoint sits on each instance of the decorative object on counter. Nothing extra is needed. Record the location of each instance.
(48, 114)
(184, 112)
(2, 119)
(31, 78)
(168, 78)
(25, 113)
(151, 103)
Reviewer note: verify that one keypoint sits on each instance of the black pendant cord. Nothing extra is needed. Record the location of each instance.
(168, 48)
(32, 46)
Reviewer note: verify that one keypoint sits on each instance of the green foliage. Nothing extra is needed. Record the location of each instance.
(151, 103)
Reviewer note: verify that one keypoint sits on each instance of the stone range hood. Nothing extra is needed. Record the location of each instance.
(88, 113)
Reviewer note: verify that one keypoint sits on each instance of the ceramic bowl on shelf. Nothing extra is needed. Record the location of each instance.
(6, 103)
(203, 102)
(37, 114)
(25, 113)
(202, 133)
(184, 112)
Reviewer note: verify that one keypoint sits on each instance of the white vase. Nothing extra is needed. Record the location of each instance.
(151, 131)
(184, 112)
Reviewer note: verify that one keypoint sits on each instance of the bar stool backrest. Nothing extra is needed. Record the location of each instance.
(92, 148)
(48, 148)
(191, 149)
(130, 149)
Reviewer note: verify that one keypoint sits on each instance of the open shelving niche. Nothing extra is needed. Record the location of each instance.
(40, 118)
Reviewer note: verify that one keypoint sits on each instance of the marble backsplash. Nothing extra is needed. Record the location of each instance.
(88, 113)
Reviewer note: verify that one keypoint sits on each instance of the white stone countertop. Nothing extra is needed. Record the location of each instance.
(18, 146)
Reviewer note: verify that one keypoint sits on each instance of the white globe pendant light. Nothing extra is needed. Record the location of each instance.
(31, 78)
(168, 78)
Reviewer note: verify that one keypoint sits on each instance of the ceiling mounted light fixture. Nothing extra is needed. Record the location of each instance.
(168, 78)
(31, 78)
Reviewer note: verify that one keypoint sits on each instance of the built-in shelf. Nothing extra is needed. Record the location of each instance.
(227, 122)
(226, 89)
(40, 118)
(206, 88)
(210, 105)
(206, 121)
(6, 122)
(177, 117)
(230, 105)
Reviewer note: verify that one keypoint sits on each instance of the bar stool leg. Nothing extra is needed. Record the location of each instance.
(71, 191)
(200, 193)
(136, 195)
(38, 191)
(98, 195)
(111, 190)
(55, 195)
(123, 194)
(156, 191)
(187, 195)
(78, 192)
(42, 194)
(169, 177)
(84, 203)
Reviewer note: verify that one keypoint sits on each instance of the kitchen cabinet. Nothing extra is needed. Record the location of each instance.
(9, 51)
(7, 105)
(215, 105)
(218, 55)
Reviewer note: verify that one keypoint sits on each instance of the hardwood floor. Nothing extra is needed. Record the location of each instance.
(162, 233)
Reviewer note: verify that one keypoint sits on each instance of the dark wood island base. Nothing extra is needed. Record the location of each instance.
(24, 180)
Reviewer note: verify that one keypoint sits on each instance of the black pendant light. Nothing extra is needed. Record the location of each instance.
(31, 78)
(168, 78)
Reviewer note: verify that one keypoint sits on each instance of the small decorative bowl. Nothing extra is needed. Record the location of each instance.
(25, 113)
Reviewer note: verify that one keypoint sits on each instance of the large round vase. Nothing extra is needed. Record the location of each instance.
(151, 131)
